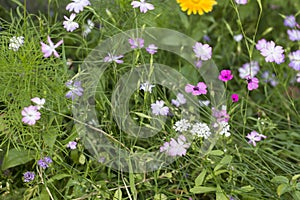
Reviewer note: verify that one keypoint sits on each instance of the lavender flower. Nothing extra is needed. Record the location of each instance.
(112, 58)
(269, 78)
(249, 69)
(180, 100)
(294, 35)
(290, 21)
(175, 147)
(295, 60)
(30, 115)
(136, 43)
(255, 137)
(243, 2)
(152, 49)
(72, 145)
(75, 89)
(28, 176)
(158, 108)
(238, 37)
(202, 51)
(273, 53)
(44, 162)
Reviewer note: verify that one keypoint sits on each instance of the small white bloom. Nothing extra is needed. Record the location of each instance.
(182, 125)
(204, 103)
(180, 100)
(158, 108)
(69, 24)
(39, 102)
(225, 127)
(16, 43)
(77, 5)
(201, 130)
(144, 7)
(238, 37)
(147, 87)
(87, 28)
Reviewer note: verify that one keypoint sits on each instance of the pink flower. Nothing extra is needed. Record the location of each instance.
(255, 137)
(49, 49)
(30, 115)
(235, 97)
(144, 7)
(220, 115)
(112, 58)
(225, 75)
(243, 2)
(261, 44)
(136, 43)
(77, 5)
(196, 90)
(72, 145)
(69, 24)
(273, 53)
(40, 102)
(202, 51)
(152, 49)
(176, 147)
(252, 83)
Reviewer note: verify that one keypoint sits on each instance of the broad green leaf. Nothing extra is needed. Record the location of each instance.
(282, 188)
(220, 194)
(216, 173)
(298, 186)
(216, 153)
(296, 195)
(201, 189)
(160, 197)
(247, 188)
(295, 177)
(118, 195)
(200, 179)
(50, 138)
(226, 160)
(280, 179)
(81, 159)
(16, 157)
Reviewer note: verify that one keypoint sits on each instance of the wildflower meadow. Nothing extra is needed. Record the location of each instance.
(150, 99)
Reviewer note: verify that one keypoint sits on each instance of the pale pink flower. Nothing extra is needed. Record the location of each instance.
(69, 24)
(158, 108)
(144, 7)
(39, 102)
(72, 145)
(152, 49)
(77, 5)
(30, 115)
(49, 49)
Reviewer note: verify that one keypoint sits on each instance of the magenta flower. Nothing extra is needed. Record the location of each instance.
(77, 5)
(136, 43)
(252, 83)
(39, 102)
(243, 2)
(28, 176)
(255, 137)
(175, 147)
(112, 58)
(290, 21)
(49, 49)
(144, 7)
(158, 108)
(30, 115)
(202, 51)
(225, 75)
(72, 145)
(235, 97)
(152, 49)
(294, 35)
(196, 90)
(69, 24)
(273, 53)
(295, 60)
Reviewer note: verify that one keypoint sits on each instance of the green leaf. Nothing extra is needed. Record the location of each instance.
(160, 197)
(226, 160)
(216, 153)
(199, 180)
(216, 173)
(247, 188)
(49, 138)
(280, 179)
(298, 186)
(200, 189)
(15, 157)
(58, 177)
(282, 188)
(118, 195)
(295, 177)
(296, 195)
(220, 194)
(81, 159)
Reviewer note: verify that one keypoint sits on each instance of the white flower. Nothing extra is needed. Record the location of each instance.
(69, 24)
(87, 28)
(182, 125)
(204, 103)
(16, 43)
(147, 87)
(158, 108)
(225, 127)
(144, 7)
(249, 69)
(180, 100)
(238, 37)
(39, 102)
(77, 5)
(201, 130)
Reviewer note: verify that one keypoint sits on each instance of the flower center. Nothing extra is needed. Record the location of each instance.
(196, 88)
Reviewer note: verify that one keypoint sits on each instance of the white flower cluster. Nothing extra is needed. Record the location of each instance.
(16, 43)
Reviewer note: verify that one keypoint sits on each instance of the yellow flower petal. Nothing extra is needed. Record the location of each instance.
(196, 6)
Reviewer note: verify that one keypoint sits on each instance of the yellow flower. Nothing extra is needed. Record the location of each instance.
(196, 6)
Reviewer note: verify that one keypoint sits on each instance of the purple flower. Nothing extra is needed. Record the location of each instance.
(39, 102)
(290, 21)
(202, 51)
(158, 108)
(152, 49)
(144, 7)
(198, 63)
(225, 75)
(72, 145)
(261, 44)
(273, 53)
(49, 49)
(28, 176)
(196, 90)
(269, 78)
(294, 35)
(249, 69)
(243, 2)
(77, 5)
(206, 38)
(295, 60)
(44, 162)
(69, 24)
(175, 147)
(30, 115)
(255, 137)
(180, 100)
(235, 97)
(75, 89)
(136, 43)
(112, 58)
(252, 83)
(147, 87)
